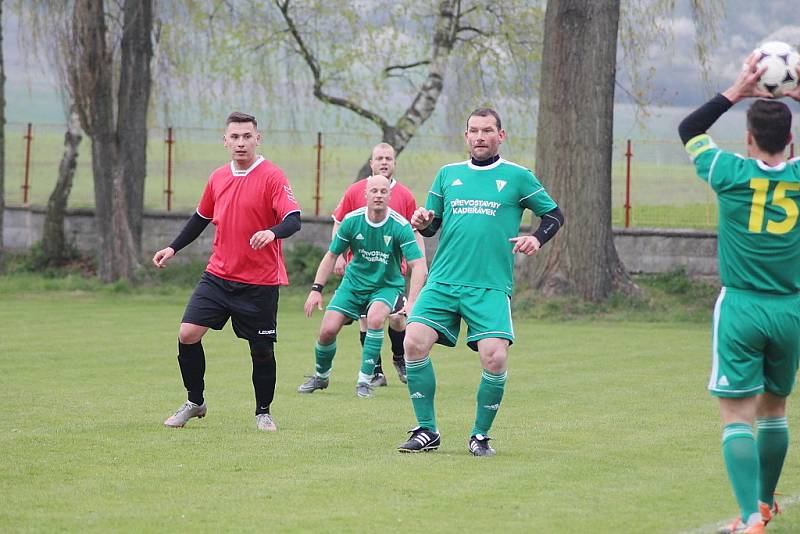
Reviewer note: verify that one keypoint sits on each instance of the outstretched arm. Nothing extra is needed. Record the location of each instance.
(700, 120)
(190, 231)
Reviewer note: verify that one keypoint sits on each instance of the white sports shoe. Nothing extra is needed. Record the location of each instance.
(265, 422)
(186, 412)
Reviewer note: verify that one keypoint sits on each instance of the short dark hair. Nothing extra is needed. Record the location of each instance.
(238, 116)
(485, 112)
(770, 123)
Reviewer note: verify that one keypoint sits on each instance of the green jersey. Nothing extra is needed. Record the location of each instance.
(481, 209)
(377, 249)
(758, 236)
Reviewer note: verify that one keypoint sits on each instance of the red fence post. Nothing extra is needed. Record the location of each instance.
(317, 196)
(168, 191)
(26, 183)
(628, 156)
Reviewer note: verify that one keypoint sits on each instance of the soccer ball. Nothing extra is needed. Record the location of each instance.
(781, 61)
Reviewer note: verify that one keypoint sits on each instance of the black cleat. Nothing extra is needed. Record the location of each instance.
(421, 440)
(378, 380)
(400, 366)
(479, 446)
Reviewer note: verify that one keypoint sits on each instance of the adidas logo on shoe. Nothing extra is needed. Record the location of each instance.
(421, 440)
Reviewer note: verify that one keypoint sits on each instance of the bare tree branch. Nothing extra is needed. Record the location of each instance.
(388, 70)
(477, 31)
(304, 51)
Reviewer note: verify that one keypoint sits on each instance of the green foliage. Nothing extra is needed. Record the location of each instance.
(302, 259)
(35, 260)
(375, 55)
(673, 296)
(177, 274)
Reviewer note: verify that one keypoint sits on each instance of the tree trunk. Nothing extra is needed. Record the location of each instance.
(133, 99)
(574, 148)
(54, 241)
(91, 77)
(117, 151)
(2, 143)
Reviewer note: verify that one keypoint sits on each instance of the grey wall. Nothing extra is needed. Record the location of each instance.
(641, 250)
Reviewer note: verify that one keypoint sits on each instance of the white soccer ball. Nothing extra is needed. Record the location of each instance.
(781, 61)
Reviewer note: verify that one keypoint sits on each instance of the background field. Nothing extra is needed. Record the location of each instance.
(664, 190)
(605, 427)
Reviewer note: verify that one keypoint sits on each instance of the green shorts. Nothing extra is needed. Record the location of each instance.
(353, 303)
(755, 343)
(487, 313)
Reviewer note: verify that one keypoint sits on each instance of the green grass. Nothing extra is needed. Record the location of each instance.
(605, 427)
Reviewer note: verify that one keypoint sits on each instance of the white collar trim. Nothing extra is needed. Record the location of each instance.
(764, 167)
(378, 224)
(238, 172)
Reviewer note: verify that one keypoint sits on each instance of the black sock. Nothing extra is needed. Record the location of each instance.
(363, 336)
(192, 361)
(397, 339)
(264, 376)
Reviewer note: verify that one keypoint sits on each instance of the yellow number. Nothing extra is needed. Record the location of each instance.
(760, 187)
(786, 204)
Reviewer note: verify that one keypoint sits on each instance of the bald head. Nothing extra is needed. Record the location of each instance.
(378, 193)
(377, 180)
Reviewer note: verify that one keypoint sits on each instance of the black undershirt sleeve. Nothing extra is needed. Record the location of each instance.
(432, 228)
(700, 120)
(191, 230)
(288, 226)
(552, 221)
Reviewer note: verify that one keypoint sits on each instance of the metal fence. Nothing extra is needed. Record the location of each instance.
(653, 184)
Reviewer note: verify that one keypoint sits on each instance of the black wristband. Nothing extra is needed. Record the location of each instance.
(317, 287)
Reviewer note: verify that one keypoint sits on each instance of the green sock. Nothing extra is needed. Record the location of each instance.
(490, 393)
(324, 355)
(741, 460)
(371, 351)
(772, 443)
(422, 389)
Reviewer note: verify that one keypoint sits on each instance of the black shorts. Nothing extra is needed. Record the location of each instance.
(253, 309)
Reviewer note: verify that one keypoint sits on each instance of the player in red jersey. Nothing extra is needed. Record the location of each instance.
(403, 202)
(252, 206)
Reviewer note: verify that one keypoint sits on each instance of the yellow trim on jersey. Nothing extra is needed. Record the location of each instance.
(699, 144)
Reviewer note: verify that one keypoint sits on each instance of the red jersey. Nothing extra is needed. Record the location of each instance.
(241, 203)
(402, 201)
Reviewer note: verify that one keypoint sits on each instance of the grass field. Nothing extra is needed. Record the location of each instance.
(605, 427)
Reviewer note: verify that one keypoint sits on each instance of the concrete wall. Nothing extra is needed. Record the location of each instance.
(641, 250)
